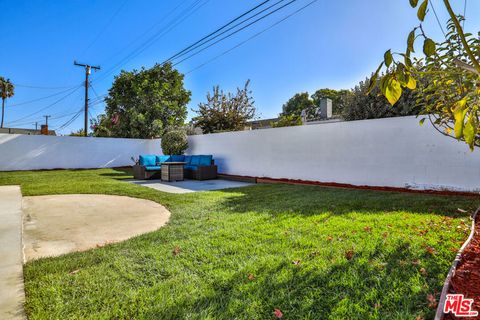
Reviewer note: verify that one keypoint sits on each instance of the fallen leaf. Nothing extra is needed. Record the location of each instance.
(349, 254)
(385, 235)
(461, 210)
(176, 250)
(278, 313)
(432, 302)
(329, 238)
(251, 277)
(430, 250)
(296, 262)
(74, 271)
(419, 318)
(416, 262)
(423, 272)
(367, 229)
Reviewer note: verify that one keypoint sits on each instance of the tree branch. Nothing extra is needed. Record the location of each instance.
(462, 35)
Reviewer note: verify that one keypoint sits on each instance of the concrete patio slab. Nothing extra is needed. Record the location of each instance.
(12, 294)
(59, 224)
(188, 186)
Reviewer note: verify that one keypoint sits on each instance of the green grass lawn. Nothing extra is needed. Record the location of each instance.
(312, 252)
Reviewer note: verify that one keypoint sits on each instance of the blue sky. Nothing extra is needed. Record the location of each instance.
(331, 44)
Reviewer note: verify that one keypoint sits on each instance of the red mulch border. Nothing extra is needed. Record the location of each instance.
(351, 186)
(464, 276)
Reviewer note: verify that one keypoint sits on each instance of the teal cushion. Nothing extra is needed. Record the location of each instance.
(147, 160)
(177, 158)
(195, 160)
(153, 168)
(191, 167)
(205, 160)
(161, 159)
(187, 159)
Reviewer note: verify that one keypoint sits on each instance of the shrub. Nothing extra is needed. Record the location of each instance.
(174, 142)
(287, 121)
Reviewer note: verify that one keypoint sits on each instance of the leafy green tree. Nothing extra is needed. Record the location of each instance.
(7, 90)
(360, 104)
(450, 99)
(78, 133)
(174, 142)
(287, 120)
(225, 111)
(298, 103)
(142, 104)
(338, 98)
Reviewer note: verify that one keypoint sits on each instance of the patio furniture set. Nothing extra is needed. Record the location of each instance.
(175, 167)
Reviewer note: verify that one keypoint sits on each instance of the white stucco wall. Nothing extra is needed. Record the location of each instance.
(31, 152)
(395, 152)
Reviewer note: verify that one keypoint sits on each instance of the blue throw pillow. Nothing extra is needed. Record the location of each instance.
(177, 158)
(147, 160)
(195, 160)
(162, 159)
(205, 160)
(153, 168)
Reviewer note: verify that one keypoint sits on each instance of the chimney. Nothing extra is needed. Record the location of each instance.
(325, 108)
(44, 129)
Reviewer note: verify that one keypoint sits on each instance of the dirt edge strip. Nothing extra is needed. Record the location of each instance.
(439, 315)
(347, 186)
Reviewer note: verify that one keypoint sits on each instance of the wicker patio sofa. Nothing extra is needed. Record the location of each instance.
(198, 167)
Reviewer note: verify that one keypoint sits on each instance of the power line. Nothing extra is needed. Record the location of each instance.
(71, 120)
(104, 27)
(219, 29)
(162, 19)
(252, 37)
(41, 98)
(155, 37)
(235, 32)
(438, 20)
(40, 87)
(46, 107)
(231, 28)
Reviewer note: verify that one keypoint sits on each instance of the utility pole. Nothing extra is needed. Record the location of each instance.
(88, 70)
(46, 120)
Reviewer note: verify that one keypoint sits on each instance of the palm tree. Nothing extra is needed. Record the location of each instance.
(6, 91)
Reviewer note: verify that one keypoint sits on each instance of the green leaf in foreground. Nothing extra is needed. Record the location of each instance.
(429, 47)
(422, 10)
(391, 89)
(388, 58)
(459, 112)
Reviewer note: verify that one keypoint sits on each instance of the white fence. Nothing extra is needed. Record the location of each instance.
(31, 152)
(394, 152)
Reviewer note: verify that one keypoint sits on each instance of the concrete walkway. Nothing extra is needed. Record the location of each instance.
(188, 186)
(12, 294)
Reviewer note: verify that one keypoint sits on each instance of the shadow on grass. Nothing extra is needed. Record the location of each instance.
(313, 200)
(364, 287)
(119, 173)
